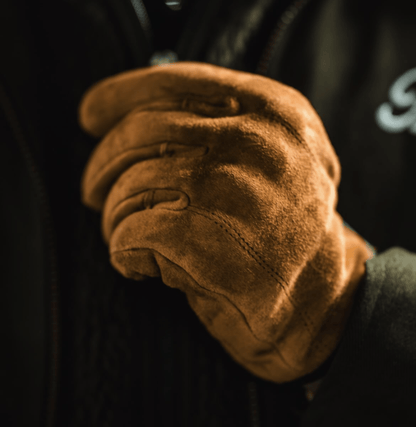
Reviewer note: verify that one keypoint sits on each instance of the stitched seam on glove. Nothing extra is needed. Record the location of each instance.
(272, 344)
(253, 254)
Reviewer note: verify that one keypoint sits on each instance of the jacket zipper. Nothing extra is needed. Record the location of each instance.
(50, 403)
(159, 57)
(254, 404)
(144, 20)
(278, 32)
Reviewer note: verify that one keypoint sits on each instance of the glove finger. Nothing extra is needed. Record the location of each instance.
(148, 184)
(108, 101)
(141, 136)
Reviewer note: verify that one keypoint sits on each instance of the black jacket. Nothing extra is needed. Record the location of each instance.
(83, 346)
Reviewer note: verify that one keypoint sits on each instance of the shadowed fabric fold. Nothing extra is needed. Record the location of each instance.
(224, 184)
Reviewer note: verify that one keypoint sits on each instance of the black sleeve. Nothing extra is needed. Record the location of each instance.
(372, 378)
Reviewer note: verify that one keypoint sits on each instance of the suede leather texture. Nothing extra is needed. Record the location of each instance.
(224, 184)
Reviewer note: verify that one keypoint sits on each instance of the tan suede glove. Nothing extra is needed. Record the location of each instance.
(224, 184)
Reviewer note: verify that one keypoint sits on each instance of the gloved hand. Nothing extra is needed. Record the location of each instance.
(224, 184)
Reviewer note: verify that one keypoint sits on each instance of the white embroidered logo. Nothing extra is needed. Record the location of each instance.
(400, 97)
